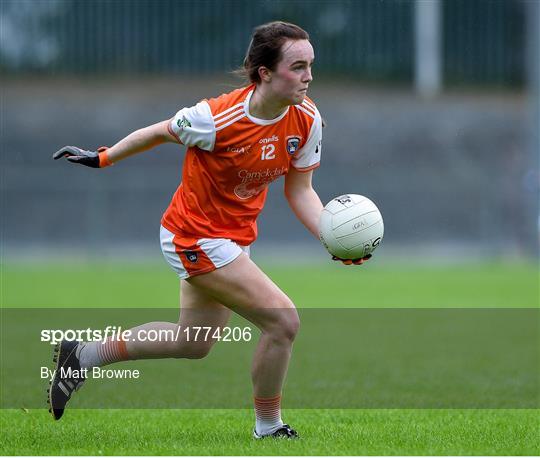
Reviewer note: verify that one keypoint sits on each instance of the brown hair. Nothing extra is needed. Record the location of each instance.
(265, 47)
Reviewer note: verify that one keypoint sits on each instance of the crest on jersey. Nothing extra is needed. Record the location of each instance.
(293, 143)
(183, 123)
(191, 256)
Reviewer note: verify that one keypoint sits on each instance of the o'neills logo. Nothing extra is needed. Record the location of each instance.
(273, 138)
(254, 182)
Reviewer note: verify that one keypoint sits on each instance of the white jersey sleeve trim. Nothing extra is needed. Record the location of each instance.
(232, 121)
(307, 157)
(223, 113)
(306, 111)
(229, 116)
(194, 126)
(309, 105)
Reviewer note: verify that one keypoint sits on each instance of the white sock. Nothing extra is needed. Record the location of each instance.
(87, 352)
(93, 354)
(268, 415)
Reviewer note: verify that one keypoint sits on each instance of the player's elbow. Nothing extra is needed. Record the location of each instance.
(159, 133)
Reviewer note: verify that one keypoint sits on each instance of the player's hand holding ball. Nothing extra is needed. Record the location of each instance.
(351, 228)
(95, 159)
(356, 262)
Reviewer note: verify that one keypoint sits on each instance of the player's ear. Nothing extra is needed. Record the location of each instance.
(265, 74)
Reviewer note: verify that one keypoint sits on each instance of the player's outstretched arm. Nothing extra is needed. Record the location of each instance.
(136, 142)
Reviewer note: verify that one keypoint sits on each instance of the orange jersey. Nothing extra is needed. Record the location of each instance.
(231, 159)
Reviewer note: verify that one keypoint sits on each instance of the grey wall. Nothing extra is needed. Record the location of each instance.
(453, 171)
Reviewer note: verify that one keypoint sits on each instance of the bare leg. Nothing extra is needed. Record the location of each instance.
(197, 309)
(245, 289)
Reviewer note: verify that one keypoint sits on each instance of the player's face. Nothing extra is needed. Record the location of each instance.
(292, 76)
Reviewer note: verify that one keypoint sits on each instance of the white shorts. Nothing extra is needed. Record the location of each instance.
(190, 256)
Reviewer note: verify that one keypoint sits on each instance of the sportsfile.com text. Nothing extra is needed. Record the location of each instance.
(188, 333)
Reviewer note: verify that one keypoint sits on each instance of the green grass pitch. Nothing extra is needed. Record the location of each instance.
(227, 432)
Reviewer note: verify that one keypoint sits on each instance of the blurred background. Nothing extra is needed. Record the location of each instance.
(431, 109)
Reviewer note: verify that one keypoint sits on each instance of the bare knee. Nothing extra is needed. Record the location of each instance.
(199, 352)
(285, 325)
(289, 330)
(192, 350)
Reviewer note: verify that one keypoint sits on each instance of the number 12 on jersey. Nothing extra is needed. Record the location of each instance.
(267, 152)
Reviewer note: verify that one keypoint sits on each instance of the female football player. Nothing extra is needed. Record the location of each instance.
(237, 144)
